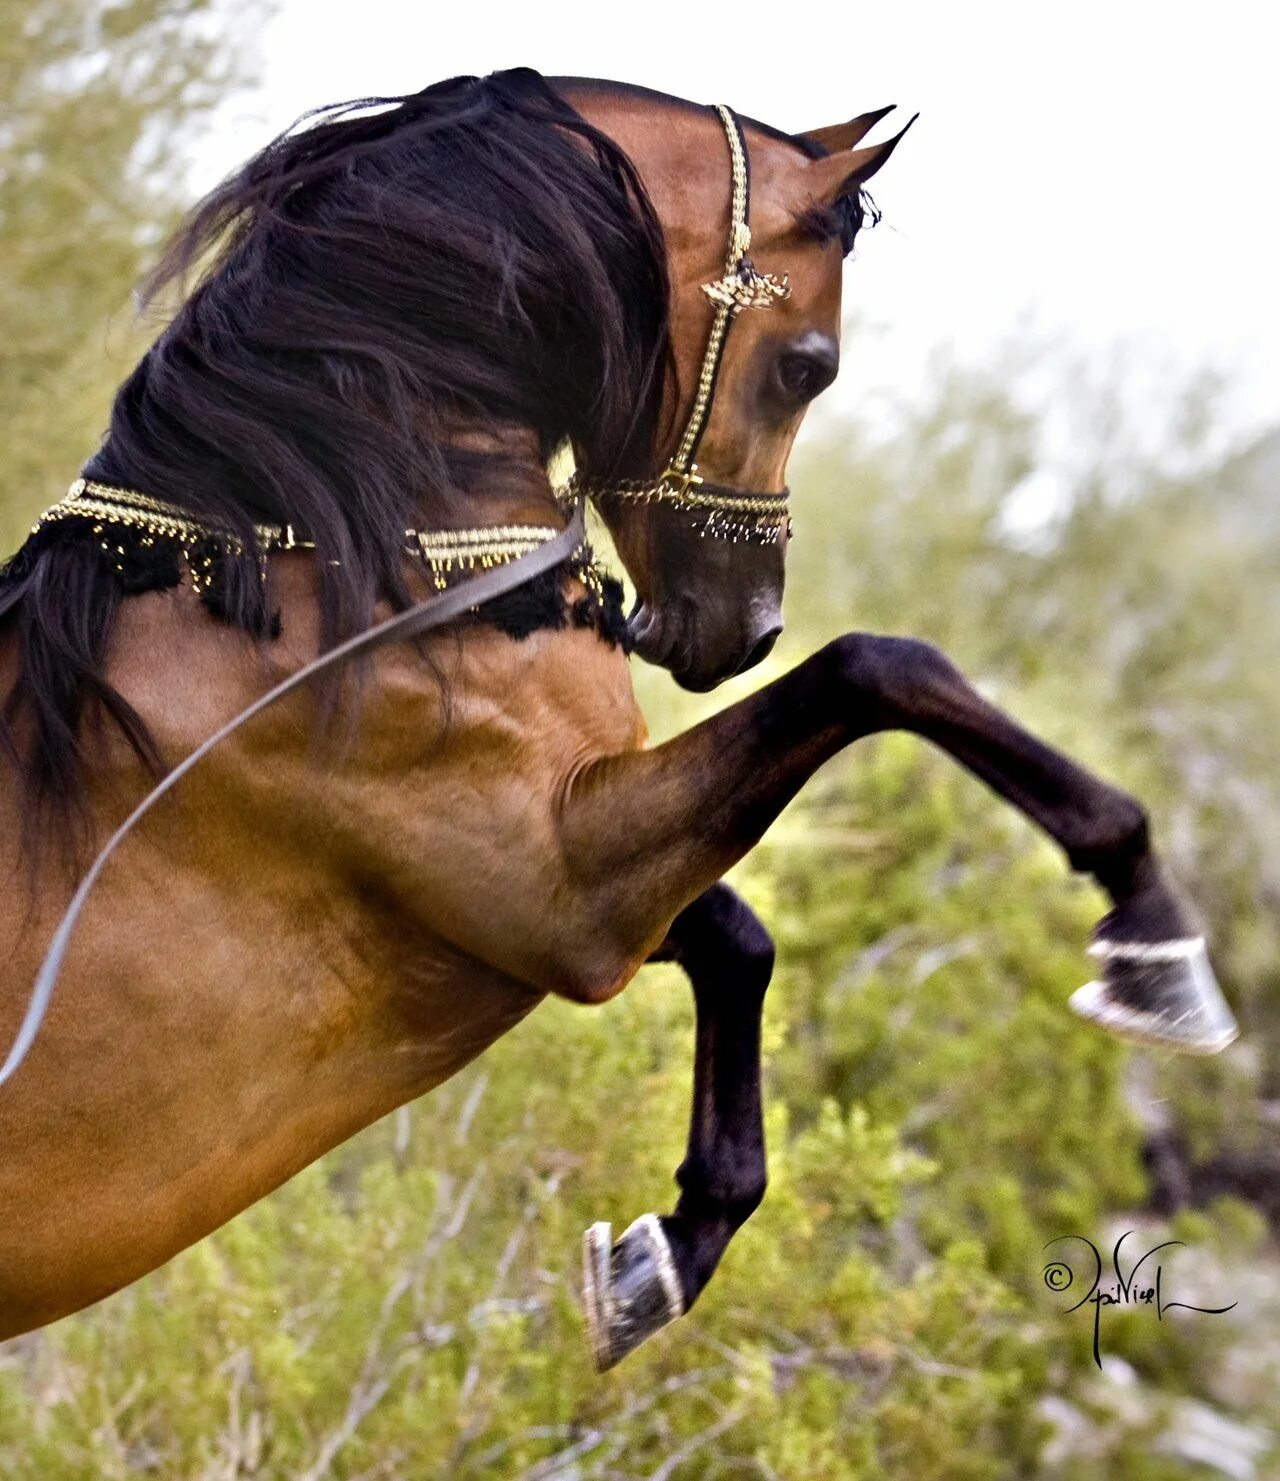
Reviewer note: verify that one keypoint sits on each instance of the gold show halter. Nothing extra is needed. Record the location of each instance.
(112, 512)
(726, 513)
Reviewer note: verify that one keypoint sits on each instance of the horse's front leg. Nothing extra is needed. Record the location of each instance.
(645, 833)
(657, 1269)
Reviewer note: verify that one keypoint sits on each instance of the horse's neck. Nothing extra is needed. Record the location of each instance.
(263, 819)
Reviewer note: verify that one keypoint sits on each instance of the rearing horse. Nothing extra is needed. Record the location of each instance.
(405, 311)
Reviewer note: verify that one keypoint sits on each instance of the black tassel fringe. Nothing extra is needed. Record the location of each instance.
(234, 592)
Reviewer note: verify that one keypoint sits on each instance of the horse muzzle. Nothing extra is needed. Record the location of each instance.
(680, 637)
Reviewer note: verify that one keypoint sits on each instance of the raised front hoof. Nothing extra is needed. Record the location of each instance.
(630, 1289)
(1158, 992)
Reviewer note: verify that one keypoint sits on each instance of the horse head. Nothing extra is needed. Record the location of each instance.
(710, 586)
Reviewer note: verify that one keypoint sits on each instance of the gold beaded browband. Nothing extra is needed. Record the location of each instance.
(723, 512)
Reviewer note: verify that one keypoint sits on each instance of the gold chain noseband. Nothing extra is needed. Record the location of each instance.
(726, 513)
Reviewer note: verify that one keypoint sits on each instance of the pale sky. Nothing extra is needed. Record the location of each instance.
(1110, 168)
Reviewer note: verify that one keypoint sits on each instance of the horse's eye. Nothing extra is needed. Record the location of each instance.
(800, 375)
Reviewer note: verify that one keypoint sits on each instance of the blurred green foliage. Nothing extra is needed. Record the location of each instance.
(408, 1307)
(101, 101)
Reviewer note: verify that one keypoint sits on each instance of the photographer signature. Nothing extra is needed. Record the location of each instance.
(1125, 1291)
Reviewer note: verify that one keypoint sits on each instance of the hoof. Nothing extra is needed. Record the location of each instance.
(630, 1290)
(1159, 992)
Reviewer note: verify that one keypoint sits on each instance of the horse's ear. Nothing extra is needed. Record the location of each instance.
(836, 176)
(841, 136)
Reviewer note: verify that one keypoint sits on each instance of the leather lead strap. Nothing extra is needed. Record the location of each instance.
(430, 613)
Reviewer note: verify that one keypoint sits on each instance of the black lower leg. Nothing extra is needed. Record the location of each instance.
(1155, 981)
(728, 955)
(659, 1267)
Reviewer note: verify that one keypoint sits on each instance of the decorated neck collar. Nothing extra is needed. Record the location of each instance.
(129, 526)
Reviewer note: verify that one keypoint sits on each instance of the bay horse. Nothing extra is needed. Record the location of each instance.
(401, 311)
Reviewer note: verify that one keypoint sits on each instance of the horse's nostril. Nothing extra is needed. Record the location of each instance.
(761, 650)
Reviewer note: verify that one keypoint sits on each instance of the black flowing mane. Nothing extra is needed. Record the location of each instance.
(473, 256)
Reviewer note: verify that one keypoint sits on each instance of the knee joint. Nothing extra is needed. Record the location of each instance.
(750, 953)
(888, 669)
(733, 947)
